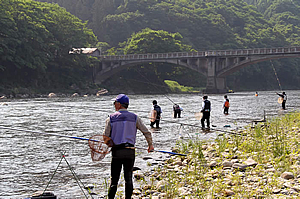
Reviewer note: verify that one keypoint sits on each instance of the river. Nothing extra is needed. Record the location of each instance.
(28, 160)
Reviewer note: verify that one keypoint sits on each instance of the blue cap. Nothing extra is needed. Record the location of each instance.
(122, 98)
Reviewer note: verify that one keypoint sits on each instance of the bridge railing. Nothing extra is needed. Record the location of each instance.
(154, 56)
(257, 51)
(238, 52)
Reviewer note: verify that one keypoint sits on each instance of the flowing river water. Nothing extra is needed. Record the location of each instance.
(28, 160)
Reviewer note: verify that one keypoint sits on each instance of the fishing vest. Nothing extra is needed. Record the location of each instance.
(176, 107)
(227, 103)
(123, 127)
(206, 106)
(158, 110)
(285, 97)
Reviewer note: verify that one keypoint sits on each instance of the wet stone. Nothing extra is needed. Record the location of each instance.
(136, 192)
(287, 175)
(89, 186)
(296, 188)
(250, 162)
(139, 176)
(227, 164)
(229, 192)
(213, 164)
(276, 191)
(179, 163)
(136, 168)
(146, 187)
(239, 166)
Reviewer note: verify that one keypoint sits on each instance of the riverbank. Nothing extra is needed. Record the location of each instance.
(259, 162)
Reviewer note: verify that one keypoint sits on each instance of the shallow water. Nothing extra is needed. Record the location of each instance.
(28, 160)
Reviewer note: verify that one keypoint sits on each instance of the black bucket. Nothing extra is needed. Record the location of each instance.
(46, 195)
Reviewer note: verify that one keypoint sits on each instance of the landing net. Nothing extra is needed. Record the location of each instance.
(100, 145)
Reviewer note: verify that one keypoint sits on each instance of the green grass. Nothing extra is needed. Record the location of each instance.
(176, 87)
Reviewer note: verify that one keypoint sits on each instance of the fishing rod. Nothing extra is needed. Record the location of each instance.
(172, 153)
(176, 122)
(146, 83)
(276, 74)
(155, 87)
(73, 137)
(108, 111)
(52, 134)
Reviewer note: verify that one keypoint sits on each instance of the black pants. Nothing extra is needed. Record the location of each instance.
(177, 113)
(205, 116)
(226, 110)
(121, 157)
(156, 122)
(283, 104)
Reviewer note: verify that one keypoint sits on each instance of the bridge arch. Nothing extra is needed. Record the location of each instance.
(215, 65)
(110, 68)
(249, 61)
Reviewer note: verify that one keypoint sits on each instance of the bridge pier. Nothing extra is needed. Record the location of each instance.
(214, 84)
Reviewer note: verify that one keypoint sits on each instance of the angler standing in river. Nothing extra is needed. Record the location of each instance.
(206, 108)
(158, 113)
(284, 98)
(177, 110)
(226, 105)
(121, 127)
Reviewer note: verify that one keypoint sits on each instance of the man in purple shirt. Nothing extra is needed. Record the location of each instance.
(121, 127)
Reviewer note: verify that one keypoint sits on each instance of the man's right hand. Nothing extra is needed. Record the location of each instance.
(150, 148)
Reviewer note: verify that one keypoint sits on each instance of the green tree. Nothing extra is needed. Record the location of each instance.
(155, 41)
(35, 42)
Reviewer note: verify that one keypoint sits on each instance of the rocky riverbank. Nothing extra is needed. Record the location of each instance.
(259, 162)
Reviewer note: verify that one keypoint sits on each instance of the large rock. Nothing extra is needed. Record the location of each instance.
(239, 166)
(287, 175)
(139, 176)
(227, 163)
(161, 185)
(184, 191)
(75, 95)
(51, 95)
(229, 192)
(250, 162)
(213, 164)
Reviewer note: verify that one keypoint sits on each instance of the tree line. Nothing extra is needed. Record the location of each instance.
(142, 26)
(34, 49)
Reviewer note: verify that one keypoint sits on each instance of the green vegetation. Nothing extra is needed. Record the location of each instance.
(203, 25)
(175, 87)
(36, 38)
(34, 49)
(151, 41)
(209, 168)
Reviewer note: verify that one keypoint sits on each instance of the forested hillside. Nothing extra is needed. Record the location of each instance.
(120, 25)
(210, 24)
(34, 49)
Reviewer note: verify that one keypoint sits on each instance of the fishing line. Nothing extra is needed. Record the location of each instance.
(155, 86)
(147, 83)
(76, 177)
(73, 137)
(170, 121)
(276, 75)
(78, 181)
(52, 134)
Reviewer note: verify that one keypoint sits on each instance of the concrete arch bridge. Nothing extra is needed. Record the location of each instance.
(214, 64)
